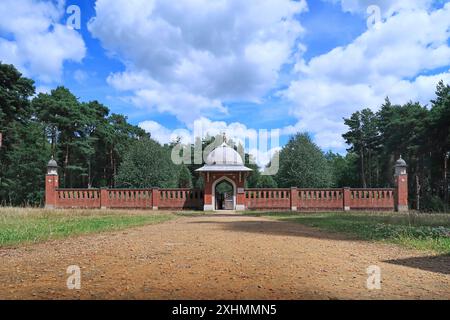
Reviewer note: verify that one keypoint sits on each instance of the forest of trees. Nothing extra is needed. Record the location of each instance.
(418, 133)
(95, 148)
(87, 141)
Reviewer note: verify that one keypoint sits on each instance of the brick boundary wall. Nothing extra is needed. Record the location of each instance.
(165, 199)
(296, 199)
(293, 199)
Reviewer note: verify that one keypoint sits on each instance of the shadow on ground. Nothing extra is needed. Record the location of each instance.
(438, 264)
(277, 228)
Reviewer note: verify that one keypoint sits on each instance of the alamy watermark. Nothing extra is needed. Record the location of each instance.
(74, 280)
(374, 18)
(262, 146)
(374, 278)
(74, 19)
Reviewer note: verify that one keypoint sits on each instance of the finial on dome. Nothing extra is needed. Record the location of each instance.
(225, 137)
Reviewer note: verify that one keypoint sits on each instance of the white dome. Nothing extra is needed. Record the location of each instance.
(224, 156)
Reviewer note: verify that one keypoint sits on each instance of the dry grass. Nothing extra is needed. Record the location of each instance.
(28, 225)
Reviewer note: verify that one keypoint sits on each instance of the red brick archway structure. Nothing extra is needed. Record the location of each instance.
(224, 163)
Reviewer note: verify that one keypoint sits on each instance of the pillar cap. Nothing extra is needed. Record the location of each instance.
(401, 163)
(52, 163)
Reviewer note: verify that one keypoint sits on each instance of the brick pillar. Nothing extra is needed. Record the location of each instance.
(294, 199)
(240, 191)
(155, 198)
(401, 193)
(104, 198)
(346, 197)
(51, 184)
(401, 186)
(51, 196)
(208, 204)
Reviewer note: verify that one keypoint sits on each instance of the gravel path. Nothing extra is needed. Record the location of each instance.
(220, 257)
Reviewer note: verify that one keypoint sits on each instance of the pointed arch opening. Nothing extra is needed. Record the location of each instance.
(224, 194)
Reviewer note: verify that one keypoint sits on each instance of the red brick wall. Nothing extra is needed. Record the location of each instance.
(320, 199)
(268, 199)
(372, 199)
(128, 198)
(253, 199)
(179, 199)
(176, 199)
(77, 198)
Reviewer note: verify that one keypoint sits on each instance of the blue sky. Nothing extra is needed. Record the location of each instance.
(232, 65)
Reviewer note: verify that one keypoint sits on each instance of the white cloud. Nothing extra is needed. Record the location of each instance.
(80, 76)
(393, 59)
(164, 135)
(189, 57)
(33, 38)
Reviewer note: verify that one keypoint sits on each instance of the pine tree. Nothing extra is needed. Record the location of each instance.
(184, 178)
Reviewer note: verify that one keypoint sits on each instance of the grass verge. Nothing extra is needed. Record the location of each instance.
(19, 226)
(419, 231)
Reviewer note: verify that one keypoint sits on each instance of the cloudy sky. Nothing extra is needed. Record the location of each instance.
(233, 65)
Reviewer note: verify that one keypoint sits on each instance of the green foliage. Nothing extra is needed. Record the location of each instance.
(23, 154)
(86, 141)
(363, 137)
(433, 203)
(224, 187)
(90, 145)
(343, 170)
(147, 164)
(23, 180)
(419, 133)
(200, 183)
(184, 178)
(266, 182)
(255, 175)
(303, 165)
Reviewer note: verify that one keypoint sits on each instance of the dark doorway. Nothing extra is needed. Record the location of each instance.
(224, 194)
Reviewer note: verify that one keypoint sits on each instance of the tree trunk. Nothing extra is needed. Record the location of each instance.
(369, 166)
(417, 192)
(445, 188)
(53, 147)
(363, 174)
(112, 177)
(66, 164)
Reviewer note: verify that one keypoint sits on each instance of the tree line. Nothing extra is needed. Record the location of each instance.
(419, 133)
(86, 140)
(95, 148)
(92, 147)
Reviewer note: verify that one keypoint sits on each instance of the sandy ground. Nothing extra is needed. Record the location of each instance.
(220, 257)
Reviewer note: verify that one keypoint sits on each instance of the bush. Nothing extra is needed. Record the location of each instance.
(433, 204)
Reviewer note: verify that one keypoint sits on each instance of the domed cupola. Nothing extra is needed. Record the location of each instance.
(224, 156)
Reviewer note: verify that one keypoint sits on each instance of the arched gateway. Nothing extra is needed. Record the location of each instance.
(224, 174)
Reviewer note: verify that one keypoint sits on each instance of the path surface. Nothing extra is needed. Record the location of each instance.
(220, 257)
